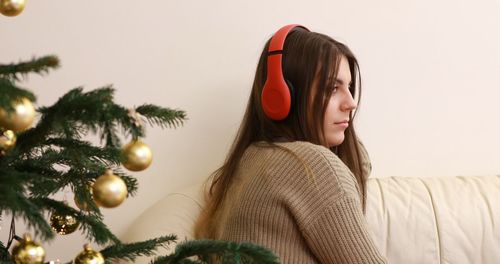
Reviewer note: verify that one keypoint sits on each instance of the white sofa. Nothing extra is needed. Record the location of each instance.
(452, 220)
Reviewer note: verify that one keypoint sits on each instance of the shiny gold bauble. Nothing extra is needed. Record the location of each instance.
(21, 118)
(28, 252)
(7, 141)
(63, 224)
(137, 156)
(109, 190)
(12, 7)
(89, 256)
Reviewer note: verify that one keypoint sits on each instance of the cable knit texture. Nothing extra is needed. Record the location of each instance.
(301, 202)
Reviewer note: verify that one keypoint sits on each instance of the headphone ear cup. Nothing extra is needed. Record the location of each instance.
(278, 95)
(276, 99)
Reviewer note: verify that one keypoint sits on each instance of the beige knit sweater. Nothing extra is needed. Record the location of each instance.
(303, 204)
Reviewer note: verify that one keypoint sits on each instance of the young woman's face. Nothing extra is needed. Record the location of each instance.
(339, 107)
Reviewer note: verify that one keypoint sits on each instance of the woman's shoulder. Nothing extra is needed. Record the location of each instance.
(298, 157)
(308, 177)
(325, 167)
(311, 152)
(303, 150)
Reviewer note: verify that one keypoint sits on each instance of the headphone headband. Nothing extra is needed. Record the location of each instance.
(278, 41)
(277, 94)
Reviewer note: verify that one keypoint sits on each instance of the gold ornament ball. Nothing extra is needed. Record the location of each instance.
(137, 156)
(28, 252)
(21, 118)
(12, 7)
(63, 224)
(89, 256)
(109, 190)
(7, 141)
(82, 204)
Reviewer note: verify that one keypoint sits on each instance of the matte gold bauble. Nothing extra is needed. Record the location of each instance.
(63, 224)
(28, 252)
(137, 156)
(12, 7)
(89, 256)
(20, 118)
(109, 190)
(7, 141)
(82, 204)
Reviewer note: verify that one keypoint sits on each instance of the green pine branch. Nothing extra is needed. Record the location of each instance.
(77, 113)
(164, 117)
(90, 224)
(229, 252)
(81, 163)
(131, 251)
(32, 209)
(11, 92)
(82, 193)
(49, 180)
(83, 150)
(4, 253)
(130, 181)
(15, 71)
(45, 180)
(23, 207)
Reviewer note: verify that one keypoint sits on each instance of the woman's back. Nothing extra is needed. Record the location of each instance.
(301, 202)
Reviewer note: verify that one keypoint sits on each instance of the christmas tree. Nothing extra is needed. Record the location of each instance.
(40, 158)
(37, 162)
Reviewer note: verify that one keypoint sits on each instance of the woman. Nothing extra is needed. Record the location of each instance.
(294, 180)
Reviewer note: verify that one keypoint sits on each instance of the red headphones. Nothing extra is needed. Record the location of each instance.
(277, 92)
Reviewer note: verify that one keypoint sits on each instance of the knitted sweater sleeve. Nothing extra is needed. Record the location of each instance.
(329, 212)
(339, 235)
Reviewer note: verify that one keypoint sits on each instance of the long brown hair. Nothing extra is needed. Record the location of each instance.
(307, 56)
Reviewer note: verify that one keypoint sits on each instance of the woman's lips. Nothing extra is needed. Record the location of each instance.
(343, 124)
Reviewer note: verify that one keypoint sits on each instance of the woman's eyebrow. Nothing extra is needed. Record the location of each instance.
(341, 82)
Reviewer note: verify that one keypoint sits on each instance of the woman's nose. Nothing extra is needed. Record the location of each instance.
(348, 104)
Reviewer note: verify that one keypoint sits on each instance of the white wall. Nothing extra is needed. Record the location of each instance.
(430, 74)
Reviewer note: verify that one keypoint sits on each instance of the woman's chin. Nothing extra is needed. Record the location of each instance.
(335, 140)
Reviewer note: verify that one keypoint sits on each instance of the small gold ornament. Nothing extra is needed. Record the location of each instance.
(28, 252)
(21, 118)
(7, 141)
(137, 156)
(82, 204)
(63, 224)
(89, 256)
(12, 7)
(109, 190)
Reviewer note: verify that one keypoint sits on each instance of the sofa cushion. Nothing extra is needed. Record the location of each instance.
(436, 220)
(412, 220)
